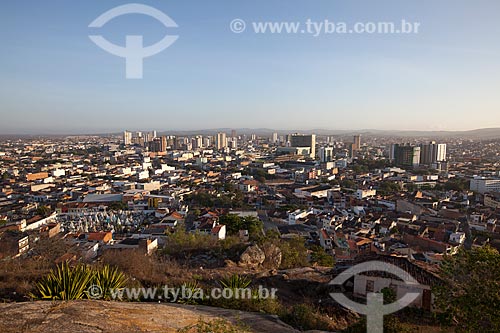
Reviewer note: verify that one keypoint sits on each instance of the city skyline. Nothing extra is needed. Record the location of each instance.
(493, 132)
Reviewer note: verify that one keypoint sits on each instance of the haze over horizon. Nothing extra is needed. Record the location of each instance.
(56, 81)
(480, 132)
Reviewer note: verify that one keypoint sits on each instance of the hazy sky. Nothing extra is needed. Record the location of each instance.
(53, 79)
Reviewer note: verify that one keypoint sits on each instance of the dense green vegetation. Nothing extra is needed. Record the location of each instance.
(470, 294)
(459, 184)
(320, 257)
(118, 205)
(223, 200)
(235, 223)
(366, 165)
(43, 211)
(388, 187)
(182, 244)
(294, 251)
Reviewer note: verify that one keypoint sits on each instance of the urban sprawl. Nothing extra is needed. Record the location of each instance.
(411, 201)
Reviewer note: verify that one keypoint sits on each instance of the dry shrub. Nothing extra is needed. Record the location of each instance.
(18, 277)
(147, 270)
(50, 249)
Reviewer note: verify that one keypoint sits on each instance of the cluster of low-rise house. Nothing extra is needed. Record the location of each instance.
(101, 195)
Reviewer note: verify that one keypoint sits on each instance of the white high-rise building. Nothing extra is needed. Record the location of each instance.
(197, 142)
(325, 154)
(441, 152)
(274, 138)
(232, 143)
(206, 142)
(127, 138)
(220, 141)
(432, 153)
(149, 136)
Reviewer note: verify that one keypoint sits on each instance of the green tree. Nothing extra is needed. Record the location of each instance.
(254, 227)
(320, 257)
(232, 222)
(229, 187)
(118, 205)
(235, 223)
(348, 184)
(470, 292)
(359, 169)
(456, 185)
(43, 211)
(201, 199)
(410, 187)
(388, 187)
(389, 295)
(294, 253)
(271, 235)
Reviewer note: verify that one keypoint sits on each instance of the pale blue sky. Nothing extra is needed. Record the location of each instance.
(53, 79)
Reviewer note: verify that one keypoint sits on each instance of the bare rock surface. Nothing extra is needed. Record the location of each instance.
(129, 317)
(273, 256)
(252, 257)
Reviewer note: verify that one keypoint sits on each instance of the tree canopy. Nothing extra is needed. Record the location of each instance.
(320, 257)
(470, 293)
(235, 223)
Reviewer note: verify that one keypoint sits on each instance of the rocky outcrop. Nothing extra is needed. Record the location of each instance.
(253, 257)
(100, 316)
(268, 256)
(273, 256)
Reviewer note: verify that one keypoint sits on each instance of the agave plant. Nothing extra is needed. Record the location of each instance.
(191, 293)
(64, 283)
(108, 278)
(235, 282)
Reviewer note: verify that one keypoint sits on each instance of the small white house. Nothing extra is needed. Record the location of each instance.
(457, 237)
(219, 231)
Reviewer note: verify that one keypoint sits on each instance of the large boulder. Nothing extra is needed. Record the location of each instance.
(273, 256)
(252, 257)
(131, 317)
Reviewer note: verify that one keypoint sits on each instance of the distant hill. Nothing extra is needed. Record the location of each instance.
(484, 133)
